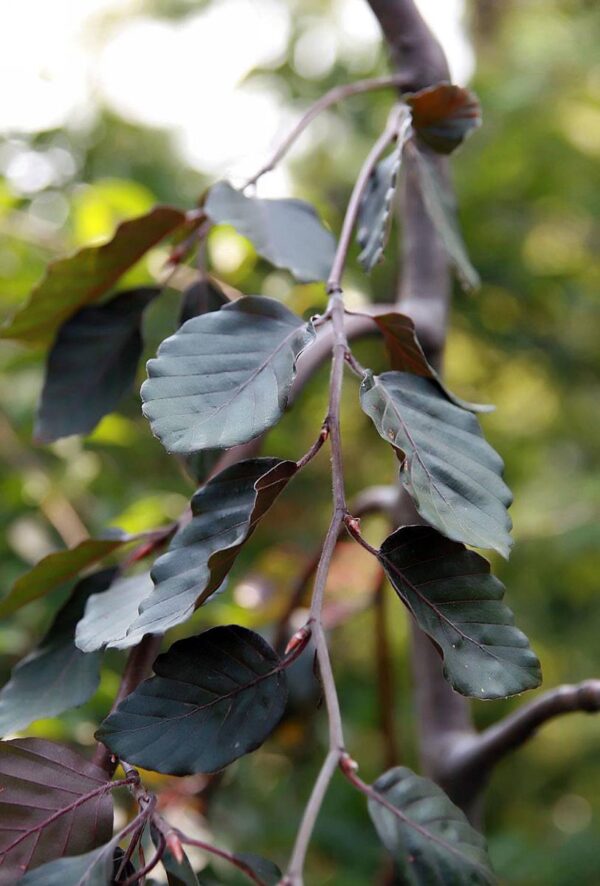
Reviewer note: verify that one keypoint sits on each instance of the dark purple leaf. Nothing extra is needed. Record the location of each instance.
(40, 779)
(215, 697)
(443, 115)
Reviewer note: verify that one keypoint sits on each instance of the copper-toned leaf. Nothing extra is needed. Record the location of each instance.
(443, 115)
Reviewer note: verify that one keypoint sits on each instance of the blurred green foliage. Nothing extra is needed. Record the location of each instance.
(528, 191)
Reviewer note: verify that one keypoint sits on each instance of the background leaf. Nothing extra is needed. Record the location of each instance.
(57, 568)
(458, 603)
(215, 697)
(441, 207)
(375, 213)
(39, 778)
(202, 297)
(288, 233)
(73, 282)
(224, 377)
(264, 868)
(224, 515)
(91, 365)
(433, 844)
(109, 614)
(452, 474)
(55, 676)
(444, 115)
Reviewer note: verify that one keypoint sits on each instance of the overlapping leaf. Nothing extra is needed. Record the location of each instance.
(443, 115)
(224, 377)
(450, 471)
(39, 779)
(459, 604)
(73, 282)
(202, 297)
(375, 213)
(430, 839)
(37, 687)
(95, 868)
(109, 614)
(441, 207)
(288, 233)
(224, 515)
(179, 873)
(91, 365)
(406, 354)
(263, 868)
(215, 697)
(57, 568)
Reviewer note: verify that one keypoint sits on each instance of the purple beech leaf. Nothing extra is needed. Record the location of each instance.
(441, 208)
(179, 873)
(375, 212)
(109, 614)
(288, 233)
(452, 474)
(224, 515)
(91, 365)
(57, 568)
(37, 687)
(225, 377)
(406, 354)
(73, 282)
(431, 841)
(266, 870)
(40, 778)
(459, 604)
(202, 297)
(95, 868)
(444, 115)
(215, 697)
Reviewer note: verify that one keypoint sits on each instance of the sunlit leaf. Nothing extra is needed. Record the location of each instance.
(443, 115)
(430, 839)
(57, 568)
(109, 614)
(91, 365)
(37, 687)
(215, 697)
(375, 213)
(39, 779)
(73, 282)
(288, 233)
(441, 207)
(459, 604)
(224, 377)
(452, 474)
(224, 515)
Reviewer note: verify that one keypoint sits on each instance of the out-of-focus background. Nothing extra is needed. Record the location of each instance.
(109, 106)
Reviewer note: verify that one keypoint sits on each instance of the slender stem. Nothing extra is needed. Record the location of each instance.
(335, 95)
(148, 866)
(214, 850)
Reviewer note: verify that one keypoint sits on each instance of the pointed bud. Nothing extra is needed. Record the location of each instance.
(174, 846)
(298, 640)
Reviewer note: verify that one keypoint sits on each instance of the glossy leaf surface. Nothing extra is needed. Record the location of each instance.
(452, 474)
(375, 213)
(57, 568)
(109, 614)
(459, 604)
(224, 515)
(215, 697)
(444, 115)
(73, 282)
(431, 841)
(288, 233)
(91, 365)
(225, 377)
(441, 207)
(55, 676)
(39, 779)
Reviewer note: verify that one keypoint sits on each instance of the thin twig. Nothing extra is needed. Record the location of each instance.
(214, 850)
(335, 95)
